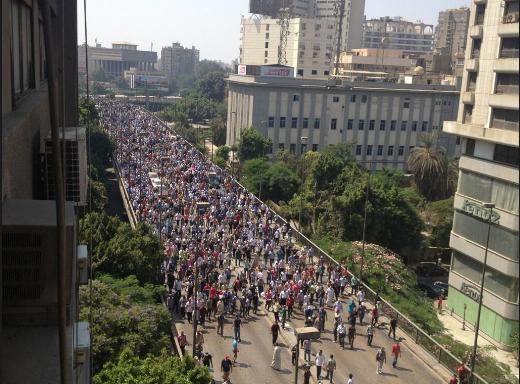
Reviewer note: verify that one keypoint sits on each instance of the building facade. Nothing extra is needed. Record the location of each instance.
(114, 61)
(383, 121)
(30, 327)
(178, 60)
(488, 123)
(371, 62)
(451, 32)
(397, 33)
(312, 39)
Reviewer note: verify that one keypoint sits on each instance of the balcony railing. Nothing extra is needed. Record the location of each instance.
(512, 17)
(509, 53)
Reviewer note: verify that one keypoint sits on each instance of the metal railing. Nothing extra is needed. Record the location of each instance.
(414, 332)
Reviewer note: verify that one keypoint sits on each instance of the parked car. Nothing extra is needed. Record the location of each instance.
(441, 287)
(433, 291)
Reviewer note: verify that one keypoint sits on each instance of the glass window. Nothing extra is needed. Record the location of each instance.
(315, 147)
(281, 146)
(282, 122)
(424, 126)
(393, 123)
(371, 125)
(494, 281)
(369, 150)
(390, 150)
(335, 99)
(506, 155)
(296, 98)
(404, 125)
(379, 150)
(470, 147)
(501, 240)
(401, 150)
(352, 98)
(305, 122)
(382, 125)
(361, 125)
(271, 122)
(350, 123)
(364, 98)
(316, 123)
(294, 122)
(414, 126)
(358, 150)
(292, 148)
(333, 123)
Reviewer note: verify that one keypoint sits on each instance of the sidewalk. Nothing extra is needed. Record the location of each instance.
(453, 325)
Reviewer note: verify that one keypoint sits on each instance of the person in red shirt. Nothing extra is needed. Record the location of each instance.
(375, 315)
(396, 353)
(454, 380)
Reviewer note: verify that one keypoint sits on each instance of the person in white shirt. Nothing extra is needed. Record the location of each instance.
(320, 362)
(350, 379)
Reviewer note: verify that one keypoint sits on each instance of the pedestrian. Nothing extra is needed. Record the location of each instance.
(276, 363)
(220, 324)
(370, 335)
(320, 362)
(307, 374)
(226, 367)
(331, 367)
(293, 354)
(342, 333)
(380, 360)
(234, 347)
(307, 350)
(207, 360)
(199, 340)
(375, 315)
(275, 328)
(393, 327)
(454, 379)
(236, 325)
(439, 302)
(350, 378)
(396, 353)
(351, 336)
(182, 342)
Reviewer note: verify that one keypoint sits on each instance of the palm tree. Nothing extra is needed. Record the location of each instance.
(430, 168)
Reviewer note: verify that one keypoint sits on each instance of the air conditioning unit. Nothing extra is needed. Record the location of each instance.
(29, 261)
(82, 264)
(82, 353)
(74, 147)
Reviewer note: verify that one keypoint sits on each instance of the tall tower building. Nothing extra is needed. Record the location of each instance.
(452, 31)
(488, 123)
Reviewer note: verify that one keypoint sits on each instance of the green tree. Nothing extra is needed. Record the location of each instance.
(330, 163)
(162, 369)
(440, 219)
(254, 175)
(282, 183)
(213, 86)
(88, 113)
(430, 168)
(99, 195)
(223, 152)
(218, 126)
(252, 145)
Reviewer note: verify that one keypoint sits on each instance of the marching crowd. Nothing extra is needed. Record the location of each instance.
(225, 252)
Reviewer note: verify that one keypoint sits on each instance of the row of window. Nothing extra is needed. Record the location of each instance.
(380, 150)
(350, 124)
(303, 147)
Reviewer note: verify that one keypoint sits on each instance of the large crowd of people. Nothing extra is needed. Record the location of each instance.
(225, 252)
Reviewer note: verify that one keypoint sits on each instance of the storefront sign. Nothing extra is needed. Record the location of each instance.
(470, 291)
(242, 69)
(276, 71)
(479, 211)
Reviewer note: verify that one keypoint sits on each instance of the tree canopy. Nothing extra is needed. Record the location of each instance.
(252, 145)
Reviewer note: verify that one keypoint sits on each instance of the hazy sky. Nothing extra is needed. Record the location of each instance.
(213, 26)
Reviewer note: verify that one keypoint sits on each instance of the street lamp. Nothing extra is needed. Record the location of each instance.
(303, 144)
(364, 233)
(489, 206)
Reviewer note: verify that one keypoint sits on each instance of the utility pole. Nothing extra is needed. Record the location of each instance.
(284, 17)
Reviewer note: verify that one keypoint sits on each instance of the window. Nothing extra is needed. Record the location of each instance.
(22, 63)
(294, 122)
(506, 155)
(361, 125)
(483, 188)
(281, 146)
(326, 73)
(333, 123)
(300, 72)
(292, 148)
(282, 122)
(335, 99)
(350, 123)
(414, 126)
(352, 98)
(317, 27)
(507, 83)
(364, 98)
(400, 151)
(479, 14)
(511, 12)
(475, 50)
(382, 125)
(393, 123)
(390, 150)
(266, 45)
(270, 149)
(504, 119)
(315, 147)
(379, 150)
(314, 72)
(359, 148)
(472, 81)
(467, 113)
(296, 98)
(371, 125)
(266, 53)
(410, 150)
(303, 148)
(406, 103)
(424, 126)
(305, 122)
(404, 125)
(472, 228)
(316, 123)
(470, 147)
(494, 281)
(369, 150)
(267, 27)
(457, 140)
(267, 36)
(270, 122)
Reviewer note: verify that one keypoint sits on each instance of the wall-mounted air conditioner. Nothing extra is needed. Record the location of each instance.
(75, 150)
(82, 353)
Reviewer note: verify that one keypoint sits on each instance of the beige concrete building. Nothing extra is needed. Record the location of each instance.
(312, 38)
(451, 32)
(114, 61)
(178, 60)
(398, 33)
(488, 121)
(383, 121)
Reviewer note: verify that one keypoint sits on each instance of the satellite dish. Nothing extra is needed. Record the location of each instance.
(385, 42)
(418, 71)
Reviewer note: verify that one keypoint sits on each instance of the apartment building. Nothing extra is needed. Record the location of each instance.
(488, 123)
(311, 42)
(32, 336)
(178, 60)
(398, 33)
(451, 32)
(383, 121)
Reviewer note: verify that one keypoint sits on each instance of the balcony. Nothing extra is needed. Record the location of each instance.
(511, 18)
(506, 65)
(472, 64)
(468, 98)
(474, 131)
(506, 101)
(508, 30)
(475, 31)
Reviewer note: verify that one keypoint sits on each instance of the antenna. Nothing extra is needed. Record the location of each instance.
(284, 18)
(339, 10)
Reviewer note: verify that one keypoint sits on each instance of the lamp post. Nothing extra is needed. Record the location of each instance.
(489, 206)
(364, 233)
(303, 145)
(264, 123)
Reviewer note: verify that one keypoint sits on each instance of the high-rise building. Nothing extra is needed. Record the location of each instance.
(397, 33)
(451, 32)
(178, 60)
(311, 41)
(488, 121)
(41, 337)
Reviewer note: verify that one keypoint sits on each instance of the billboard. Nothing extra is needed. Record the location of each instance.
(276, 71)
(242, 69)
